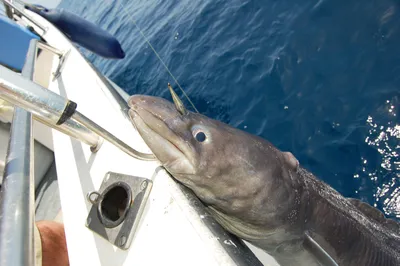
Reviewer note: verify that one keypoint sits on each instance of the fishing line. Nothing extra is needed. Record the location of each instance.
(158, 56)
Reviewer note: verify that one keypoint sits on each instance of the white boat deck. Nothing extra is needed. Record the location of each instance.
(168, 232)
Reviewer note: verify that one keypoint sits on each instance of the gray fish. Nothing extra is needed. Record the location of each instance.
(262, 194)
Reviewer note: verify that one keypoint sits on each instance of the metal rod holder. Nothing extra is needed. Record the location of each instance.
(55, 111)
(47, 107)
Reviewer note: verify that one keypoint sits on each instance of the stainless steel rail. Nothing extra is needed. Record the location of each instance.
(111, 138)
(51, 107)
(46, 106)
(17, 203)
(31, 96)
(17, 195)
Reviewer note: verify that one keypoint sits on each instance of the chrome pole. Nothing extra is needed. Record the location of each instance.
(77, 131)
(28, 95)
(47, 107)
(17, 195)
(17, 203)
(54, 109)
(111, 138)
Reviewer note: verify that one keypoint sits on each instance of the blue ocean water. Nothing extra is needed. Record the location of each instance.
(319, 78)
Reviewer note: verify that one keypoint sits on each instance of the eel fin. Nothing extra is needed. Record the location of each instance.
(375, 214)
(292, 162)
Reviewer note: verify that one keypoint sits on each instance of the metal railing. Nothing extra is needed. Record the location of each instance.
(17, 195)
(58, 112)
(46, 106)
(10, 6)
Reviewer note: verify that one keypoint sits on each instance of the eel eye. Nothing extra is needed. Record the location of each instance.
(200, 136)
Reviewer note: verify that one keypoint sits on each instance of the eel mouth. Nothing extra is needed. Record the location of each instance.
(149, 116)
(135, 116)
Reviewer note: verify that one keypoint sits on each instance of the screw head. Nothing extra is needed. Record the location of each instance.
(143, 185)
(122, 240)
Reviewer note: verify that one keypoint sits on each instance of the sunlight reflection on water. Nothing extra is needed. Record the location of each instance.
(385, 138)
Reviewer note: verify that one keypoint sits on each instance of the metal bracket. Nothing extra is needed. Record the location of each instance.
(117, 207)
(61, 64)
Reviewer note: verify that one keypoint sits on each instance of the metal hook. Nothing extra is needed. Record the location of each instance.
(92, 200)
(178, 103)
